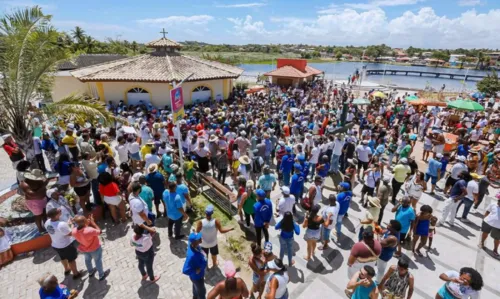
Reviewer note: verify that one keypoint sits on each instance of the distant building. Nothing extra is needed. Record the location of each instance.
(426, 54)
(292, 72)
(455, 59)
(494, 58)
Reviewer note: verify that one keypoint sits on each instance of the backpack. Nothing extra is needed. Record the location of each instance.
(306, 201)
(256, 166)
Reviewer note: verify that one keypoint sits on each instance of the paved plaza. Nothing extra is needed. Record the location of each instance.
(324, 277)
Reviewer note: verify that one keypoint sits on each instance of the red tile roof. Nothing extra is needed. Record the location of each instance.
(291, 72)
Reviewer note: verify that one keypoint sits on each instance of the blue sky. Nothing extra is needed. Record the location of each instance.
(398, 23)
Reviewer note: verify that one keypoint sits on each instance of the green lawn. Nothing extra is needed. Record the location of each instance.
(246, 57)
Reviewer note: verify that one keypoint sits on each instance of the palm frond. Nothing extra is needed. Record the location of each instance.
(78, 109)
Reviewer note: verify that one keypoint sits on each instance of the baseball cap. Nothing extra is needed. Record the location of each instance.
(194, 237)
(403, 161)
(345, 186)
(288, 149)
(301, 157)
(461, 158)
(297, 166)
(260, 193)
(209, 209)
(439, 155)
(285, 190)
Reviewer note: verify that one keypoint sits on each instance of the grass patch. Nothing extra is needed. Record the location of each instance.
(200, 202)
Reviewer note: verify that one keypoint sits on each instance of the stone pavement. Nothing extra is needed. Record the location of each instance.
(7, 173)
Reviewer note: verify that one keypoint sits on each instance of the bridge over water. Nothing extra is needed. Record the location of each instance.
(424, 74)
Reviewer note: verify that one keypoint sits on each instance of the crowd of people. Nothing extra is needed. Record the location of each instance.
(295, 139)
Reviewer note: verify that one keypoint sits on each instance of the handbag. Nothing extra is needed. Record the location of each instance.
(306, 202)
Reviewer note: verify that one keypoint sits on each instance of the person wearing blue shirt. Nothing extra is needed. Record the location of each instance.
(343, 200)
(287, 165)
(323, 167)
(287, 226)
(457, 193)
(444, 163)
(267, 181)
(305, 165)
(372, 143)
(263, 211)
(156, 181)
(175, 211)
(297, 184)
(167, 160)
(183, 192)
(195, 265)
(434, 171)
(463, 149)
(405, 215)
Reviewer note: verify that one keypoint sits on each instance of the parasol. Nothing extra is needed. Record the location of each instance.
(361, 102)
(411, 98)
(379, 94)
(427, 102)
(467, 105)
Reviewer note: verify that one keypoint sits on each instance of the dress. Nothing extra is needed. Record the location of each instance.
(423, 228)
(397, 285)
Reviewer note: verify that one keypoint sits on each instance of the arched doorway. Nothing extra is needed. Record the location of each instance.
(136, 95)
(201, 94)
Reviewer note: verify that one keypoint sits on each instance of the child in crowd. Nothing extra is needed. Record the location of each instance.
(432, 231)
(421, 227)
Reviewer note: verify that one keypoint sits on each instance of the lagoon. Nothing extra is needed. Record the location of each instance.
(341, 71)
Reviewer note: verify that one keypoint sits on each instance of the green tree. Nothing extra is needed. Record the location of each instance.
(490, 85)
(134, 47)
(90, 44)
(78, 34)
(462, 60)
(30, 51)
(438, 55)
(480, 60)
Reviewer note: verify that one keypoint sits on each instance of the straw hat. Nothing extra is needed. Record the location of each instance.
(374, 201)
(35, 175)
(153, 168)
(213, 138)
(245, 160)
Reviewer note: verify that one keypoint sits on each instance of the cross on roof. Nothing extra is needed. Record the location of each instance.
(164, 32)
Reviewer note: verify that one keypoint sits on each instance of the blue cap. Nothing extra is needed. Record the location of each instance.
(260, 193)
(288, 149)
(209, 209)
(345, 186)
(297, 166)
(301, 158)
(194, 237)
(266, 125)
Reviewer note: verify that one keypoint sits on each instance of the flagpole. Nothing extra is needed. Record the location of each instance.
(176, 123)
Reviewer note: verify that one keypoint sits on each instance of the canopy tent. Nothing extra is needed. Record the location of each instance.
(466, 105)
(379, 94)
(427, 102)
(411, 98)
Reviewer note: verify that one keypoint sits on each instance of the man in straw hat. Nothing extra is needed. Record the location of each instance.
(156, 181)
(34, 188)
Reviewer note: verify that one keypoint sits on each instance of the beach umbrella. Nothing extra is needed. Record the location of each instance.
(411, 98)
(361, 102)
(477, 95)
(467, 105)
(379, 94)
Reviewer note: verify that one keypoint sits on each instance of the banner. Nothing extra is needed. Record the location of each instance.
(177, 104)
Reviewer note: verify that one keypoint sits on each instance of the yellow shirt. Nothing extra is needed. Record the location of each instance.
(70, 141)
(400, 172)
(145, 149)
(189, 165)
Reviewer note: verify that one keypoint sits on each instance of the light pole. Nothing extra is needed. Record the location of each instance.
(176, 123)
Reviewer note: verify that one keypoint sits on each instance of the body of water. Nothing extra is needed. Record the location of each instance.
(342, 70)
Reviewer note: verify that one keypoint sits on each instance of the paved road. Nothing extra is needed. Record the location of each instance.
(325, 276)
(7, 173)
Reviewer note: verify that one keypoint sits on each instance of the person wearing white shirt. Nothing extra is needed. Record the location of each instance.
(338, 145)
(145, 134)
(364, 152)
(313, 161)
(151, 158)
(37, 147)
(57, 201)
(286, 202)
(122, 150)
(491, 226)
(349, 117)
(475, 134)
(138, 207)
(62, 241)
(329, 213)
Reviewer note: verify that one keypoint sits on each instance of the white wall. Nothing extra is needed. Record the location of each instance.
(66, 85)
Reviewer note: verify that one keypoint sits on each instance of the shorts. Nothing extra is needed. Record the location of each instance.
(157, 200)
(364, 164)
(68, 253)
(82, 190)
(444, 293)
(112, 200)
(450, 182)
(402, 237)
(428, 147)
(135, 156)
(213, 250)
(432, 178)
(367, 190)
(325, 234)
(312, 234)
(36, 206)
(493, 231)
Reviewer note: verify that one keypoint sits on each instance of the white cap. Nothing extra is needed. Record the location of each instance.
(461, 158)
(439, 155)
(285, 190)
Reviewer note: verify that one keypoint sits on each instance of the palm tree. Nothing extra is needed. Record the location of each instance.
(78, 34)
(30, 51)
(90, 43)
(480, 57)
(134, 46)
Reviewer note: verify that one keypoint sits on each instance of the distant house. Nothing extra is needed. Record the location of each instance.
(455, 59)
(494, 58)
(426, 54)
(400, 52)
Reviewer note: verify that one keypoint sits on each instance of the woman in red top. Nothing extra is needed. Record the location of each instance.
(12, 149)
(112, 196)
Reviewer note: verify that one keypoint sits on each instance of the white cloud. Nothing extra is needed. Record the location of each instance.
(332, 8)
(242, 5)
(375, 4)
(17, 4)
(350, 27)
(469, 2)
(178, 20)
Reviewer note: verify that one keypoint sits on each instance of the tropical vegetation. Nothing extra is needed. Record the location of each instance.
(30, 50)
(490, 85)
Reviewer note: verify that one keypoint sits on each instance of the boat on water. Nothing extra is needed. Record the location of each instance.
(418, 64)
